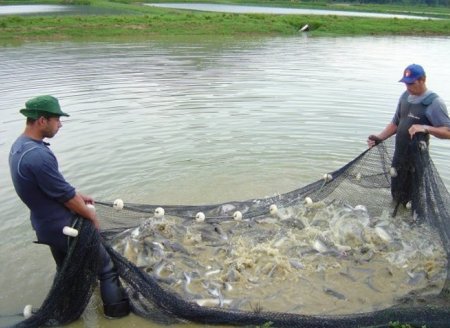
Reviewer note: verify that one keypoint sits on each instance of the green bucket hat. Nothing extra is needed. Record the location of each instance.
(42, 106)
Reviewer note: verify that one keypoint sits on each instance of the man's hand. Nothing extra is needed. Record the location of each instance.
(418, 128)
(87, 199)
(78, 204)
(373, 140)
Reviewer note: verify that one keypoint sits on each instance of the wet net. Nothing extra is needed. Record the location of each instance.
(343, 251)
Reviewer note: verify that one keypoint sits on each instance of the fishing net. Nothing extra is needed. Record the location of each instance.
(343, 251)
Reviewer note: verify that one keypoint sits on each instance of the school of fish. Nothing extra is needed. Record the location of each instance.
(312, 258)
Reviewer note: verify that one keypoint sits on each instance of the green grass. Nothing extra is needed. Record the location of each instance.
(138, 21)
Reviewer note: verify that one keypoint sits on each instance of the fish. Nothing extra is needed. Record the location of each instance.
(383, 234)
(265, 259)
(209, 234)
(369, 282)
(348, 275)
(213, 302)
(142, 259)
(416, 277)
(334, 293)
(212, 272)
(320, 246)
(296, 264)
(130, 251)
(219, 230)
(175, 246)
(293, 223)
(232, 275)
(186, 282)
(267, 220)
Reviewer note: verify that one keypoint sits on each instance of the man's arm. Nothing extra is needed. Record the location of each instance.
(78, 205)
(437, 114)
(441, 132)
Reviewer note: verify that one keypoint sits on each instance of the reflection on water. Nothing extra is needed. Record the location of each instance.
(238, 9)
(55, 9)
(31, 9)
(61, 9)
(200, 121)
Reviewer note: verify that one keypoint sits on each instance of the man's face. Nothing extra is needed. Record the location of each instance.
(416, 88)
(50, 126)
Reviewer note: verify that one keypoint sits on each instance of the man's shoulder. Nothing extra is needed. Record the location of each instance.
(434, 100)
(25, 147)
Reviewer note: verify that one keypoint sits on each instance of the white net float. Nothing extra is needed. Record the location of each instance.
(71, 232)
(393, 172)
(273, 209)
(200, 217)
(28, 311)
(237, 216)
(118, 204)
(159, 212)
(327, 177)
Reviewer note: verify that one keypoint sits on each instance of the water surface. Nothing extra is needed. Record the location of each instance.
(239, 9)
(198, 122)
(56, 9)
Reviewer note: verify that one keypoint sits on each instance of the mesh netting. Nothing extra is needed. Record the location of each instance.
(73, 284)
(340, 252)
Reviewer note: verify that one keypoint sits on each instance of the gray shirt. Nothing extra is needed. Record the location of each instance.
(436, 112)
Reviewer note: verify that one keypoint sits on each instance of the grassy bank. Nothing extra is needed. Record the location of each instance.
(134, 20)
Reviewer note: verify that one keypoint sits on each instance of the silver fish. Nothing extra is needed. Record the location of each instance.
(334, 293)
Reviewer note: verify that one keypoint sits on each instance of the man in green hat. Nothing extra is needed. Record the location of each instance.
(52, 201)
(42, 106)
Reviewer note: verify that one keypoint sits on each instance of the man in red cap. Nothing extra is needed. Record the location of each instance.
(420, 113)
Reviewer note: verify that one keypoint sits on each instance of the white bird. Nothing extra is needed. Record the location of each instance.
(304, 28)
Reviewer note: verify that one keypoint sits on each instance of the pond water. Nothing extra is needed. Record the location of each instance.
(55, 9)
(32, 9)
(274, 10)
(89, 10)
(199, 122)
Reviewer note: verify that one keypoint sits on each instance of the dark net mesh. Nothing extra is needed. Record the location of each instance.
(73, 284)
(230, 263)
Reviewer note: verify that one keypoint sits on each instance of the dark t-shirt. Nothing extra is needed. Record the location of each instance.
(40, 185)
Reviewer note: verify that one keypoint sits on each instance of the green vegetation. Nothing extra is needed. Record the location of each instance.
(134, 20)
